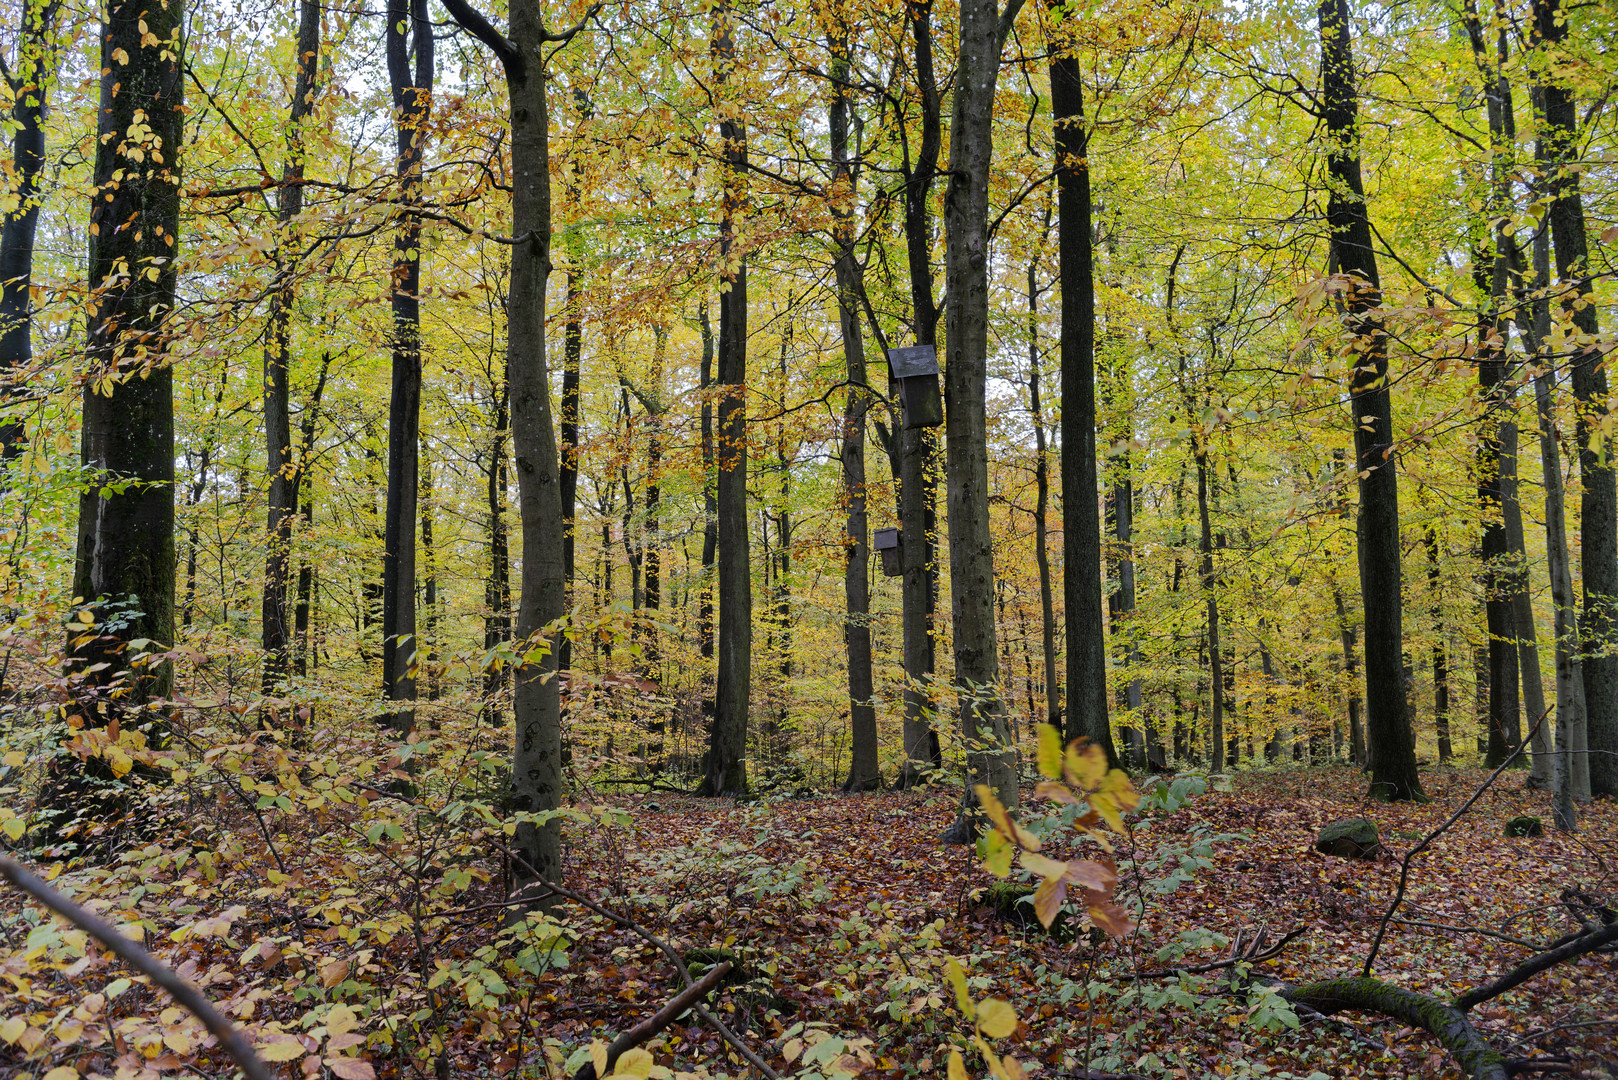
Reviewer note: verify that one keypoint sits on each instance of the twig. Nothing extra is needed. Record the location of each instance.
(1584, 943)
(229, 1036)
(1404, 866)
(658, 1020)
(1239, 955)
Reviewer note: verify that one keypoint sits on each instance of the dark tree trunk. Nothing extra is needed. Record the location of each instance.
(1390, 743)
(124, 564)
(1356, 730)
(864, 772)
(1598, 500)
(281, 460)
(727, 750)
(308, 425)
(1440, 651)
(497, 586)
(710, 505)
(1081, 516)
(1210, 593)
(1505, 718)
(985, 728)
(536, 768)
(918, 447)
(1042, 501)
(30, 81)
(412, 101)
(429, 589)
(572, 357)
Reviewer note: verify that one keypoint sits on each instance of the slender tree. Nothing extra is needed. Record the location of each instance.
(1390, 743)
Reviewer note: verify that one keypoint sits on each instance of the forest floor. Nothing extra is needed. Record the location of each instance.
(845, 912)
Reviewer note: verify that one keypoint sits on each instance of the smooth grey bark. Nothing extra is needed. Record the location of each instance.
(409, 37)
(990, 747)
(1598, 500)
(917, 448)
(29, 79)
(536, 772)
(1087, 713)
(726, 766)
(282, 462)
(864, 772)
(1390, 742)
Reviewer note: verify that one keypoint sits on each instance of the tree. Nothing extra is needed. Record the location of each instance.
(1389, 741)
(124, 562)
(283, 463)
(408, 35)
(29, 81)
(1081, 516)
(536, 762)
(991, 754)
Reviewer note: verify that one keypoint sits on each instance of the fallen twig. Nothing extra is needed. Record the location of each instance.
(658, 1020)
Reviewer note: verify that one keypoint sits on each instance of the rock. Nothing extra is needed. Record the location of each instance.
(1525, 825)
(1351, 838)
(1014, 902)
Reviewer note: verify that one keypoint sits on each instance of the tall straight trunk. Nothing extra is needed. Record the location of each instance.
(536, 770)
(726, 769)
(1505, 718)
(1087, 715)
(412, 101)
(572, 356)
(1356, 727)
(1042, 500)
(497, 586)
(30, 80)
(918, 447)
(652, 544)
(308, 426)
(1570, 775)
(710, 504)
(1390, 742)
(429, 589)
(781, 615)
(1598, 500)
(1210, 593)
(280, 460)
(1440, 651)
(864, 771)
(124, 565)
(991, 758)
(1121, 604)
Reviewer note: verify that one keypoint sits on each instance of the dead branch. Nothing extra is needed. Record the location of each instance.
(229, 1036)
(658, 1020)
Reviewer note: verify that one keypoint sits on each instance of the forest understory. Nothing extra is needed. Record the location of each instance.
(839, 915)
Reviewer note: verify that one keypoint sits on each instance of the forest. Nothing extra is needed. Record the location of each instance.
(809, 539)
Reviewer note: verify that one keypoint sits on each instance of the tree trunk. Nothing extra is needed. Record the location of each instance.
(1356, 730)
(1390, 743)
(412, 101)
(1210, 593)
(1081, 516)
(280, 460)
(308, 426)
(864, 772)
(1505, 719)
(30, 82)
(1598, 500)
(985, 729)
(497, 586)
(572, 355)
(1042, 499)
(918, 447)
(710, 505)
(429, 591)
(124, 566)
(1440, 652)
(727, 750)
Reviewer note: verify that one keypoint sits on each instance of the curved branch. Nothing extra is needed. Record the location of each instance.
(1446, 1023)
(1584, 943)
(659, 1020)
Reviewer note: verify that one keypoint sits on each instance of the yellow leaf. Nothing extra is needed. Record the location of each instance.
(347, 1068)
(1050, 752)
(1048, 900)
(997, 854)
(12, 1028)
(281, 1048)
(14, 758)
(62, 1072)
(1044, 867)
(635, 1064)
(177, 1040)
(598, 1056)
(1086, 765)
(957, 1067)
(957, 979)
(1002, 818)
(996, 1018)
(123, 58)
(341, 1020)
(333, 973)
(13, 827)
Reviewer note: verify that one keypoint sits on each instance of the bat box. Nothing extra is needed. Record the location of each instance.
(913, 379)
(887, 546)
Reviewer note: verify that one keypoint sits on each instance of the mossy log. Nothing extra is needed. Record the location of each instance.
(1446, 1023)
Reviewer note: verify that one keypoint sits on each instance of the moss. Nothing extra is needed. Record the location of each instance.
(1351, 838)
(1525, 825)
(1008, 900)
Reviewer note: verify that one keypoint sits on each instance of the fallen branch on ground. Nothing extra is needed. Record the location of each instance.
(658, 1020)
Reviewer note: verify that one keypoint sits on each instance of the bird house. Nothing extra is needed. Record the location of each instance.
(887, 546)
(913, 379)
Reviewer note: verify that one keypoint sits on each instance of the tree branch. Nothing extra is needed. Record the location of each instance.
(658, 1020)
(472, 21)
(229, 1036)
(1520, 974)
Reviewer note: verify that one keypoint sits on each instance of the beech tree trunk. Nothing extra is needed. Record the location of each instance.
(281, 460)
(412, 102)
(918, 447)
(726, 770)
(1440, 649)
(1087, 715)
(1598, 500)
(1390, 742)
(864, 771)
(1042, 499)
(30, 79)
(710, 504)
(990, 746)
